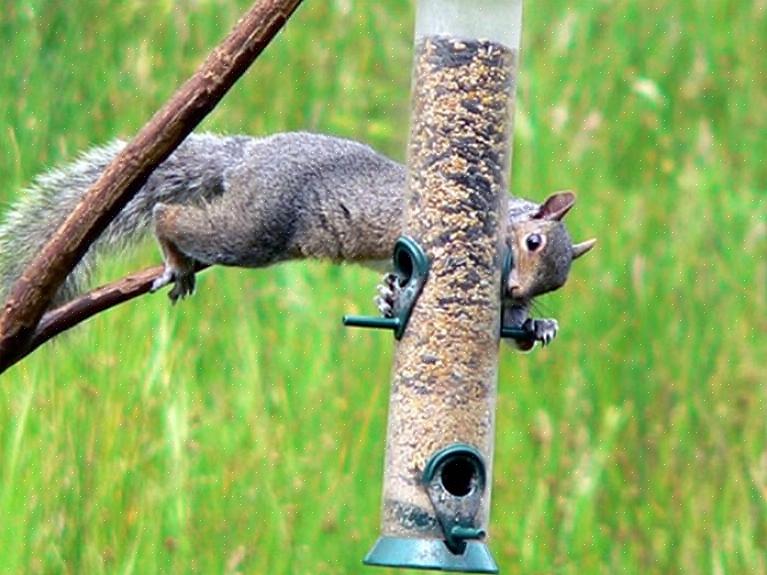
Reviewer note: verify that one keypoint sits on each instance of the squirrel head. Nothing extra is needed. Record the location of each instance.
(543, 250)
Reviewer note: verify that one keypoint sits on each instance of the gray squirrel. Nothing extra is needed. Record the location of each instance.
(251, 202)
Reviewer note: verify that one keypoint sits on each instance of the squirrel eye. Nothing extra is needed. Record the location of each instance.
(533, 242)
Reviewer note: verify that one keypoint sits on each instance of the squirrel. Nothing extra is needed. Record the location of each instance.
(255, 201)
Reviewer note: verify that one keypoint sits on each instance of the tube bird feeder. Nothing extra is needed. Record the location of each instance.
(436, 493)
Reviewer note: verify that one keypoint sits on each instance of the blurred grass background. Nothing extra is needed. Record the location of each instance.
(243, 430)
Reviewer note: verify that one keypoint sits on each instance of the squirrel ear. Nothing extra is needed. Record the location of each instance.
(556, 206)
(583, 247)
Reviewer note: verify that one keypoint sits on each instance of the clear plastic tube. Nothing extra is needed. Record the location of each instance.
(445, 375)
(494, 20)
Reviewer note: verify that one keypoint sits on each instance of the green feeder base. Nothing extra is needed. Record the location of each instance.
(430, 554)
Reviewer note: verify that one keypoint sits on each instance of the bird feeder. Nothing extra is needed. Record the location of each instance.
(438, 466)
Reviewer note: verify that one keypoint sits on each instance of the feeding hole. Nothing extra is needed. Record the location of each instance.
(404, 265)
(459, 476)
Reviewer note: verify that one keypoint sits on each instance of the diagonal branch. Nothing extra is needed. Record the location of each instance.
(86, 306)
(33, 291)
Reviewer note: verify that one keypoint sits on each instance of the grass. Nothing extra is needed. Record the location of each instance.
(243, 430)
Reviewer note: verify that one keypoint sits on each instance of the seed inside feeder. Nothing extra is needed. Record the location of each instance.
(444, 383)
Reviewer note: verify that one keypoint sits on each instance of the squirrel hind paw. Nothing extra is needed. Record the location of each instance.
(183, 284)
(183, 287)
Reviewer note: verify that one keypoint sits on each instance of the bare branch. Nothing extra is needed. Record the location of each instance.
(86, 306)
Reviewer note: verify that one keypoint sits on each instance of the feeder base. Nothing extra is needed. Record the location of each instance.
(430, 554)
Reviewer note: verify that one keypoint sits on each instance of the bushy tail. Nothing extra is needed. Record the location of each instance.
(31, 221)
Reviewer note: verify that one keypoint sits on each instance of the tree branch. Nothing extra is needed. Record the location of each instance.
(87, 305)
(32, 293)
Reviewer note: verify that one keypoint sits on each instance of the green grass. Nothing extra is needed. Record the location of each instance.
(243, 430)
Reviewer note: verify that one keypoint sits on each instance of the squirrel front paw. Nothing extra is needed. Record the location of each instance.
(543, 330)
(388, 291)
(184, 283)
(535, 330)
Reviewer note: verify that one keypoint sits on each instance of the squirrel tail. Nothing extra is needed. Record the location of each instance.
(42, 207)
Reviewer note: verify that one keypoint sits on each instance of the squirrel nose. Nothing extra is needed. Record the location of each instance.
(513, 287)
